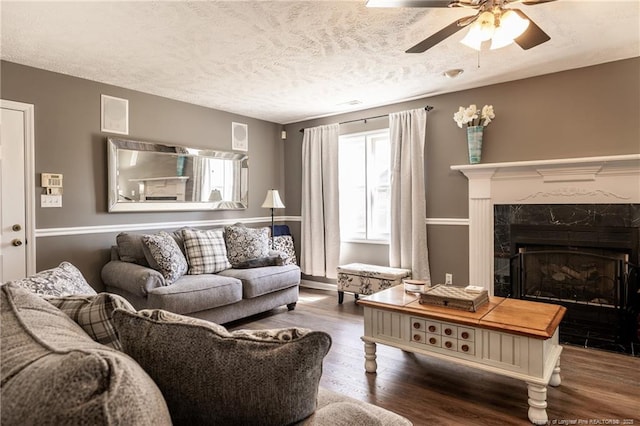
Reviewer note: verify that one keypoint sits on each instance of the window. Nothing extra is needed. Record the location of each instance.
(364, 181)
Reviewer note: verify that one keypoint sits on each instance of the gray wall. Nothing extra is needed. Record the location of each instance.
(586, 112)
(68, 140)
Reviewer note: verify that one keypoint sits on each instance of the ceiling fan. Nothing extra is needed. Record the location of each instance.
(493, 22)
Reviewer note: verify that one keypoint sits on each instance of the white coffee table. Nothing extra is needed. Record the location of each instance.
(511, 337)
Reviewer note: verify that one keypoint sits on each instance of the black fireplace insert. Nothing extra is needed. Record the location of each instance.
(592, 271)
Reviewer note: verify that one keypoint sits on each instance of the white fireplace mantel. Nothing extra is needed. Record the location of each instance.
(587, 180)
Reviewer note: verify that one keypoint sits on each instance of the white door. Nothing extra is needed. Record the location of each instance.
(17, 259)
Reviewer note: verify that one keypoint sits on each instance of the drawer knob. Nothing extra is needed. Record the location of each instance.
(448, 345)
(465, 335)
(465, 348)
(432, 340)
(432, 328)
(416, 325)
(416, 337)
(448, 331)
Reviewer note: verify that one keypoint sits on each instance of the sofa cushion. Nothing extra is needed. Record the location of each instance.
(193, 293)
(259, 281)
(65, 279)
(339, 410)
(131, 248)
(53, 373)
(94, 314)
(206, 251)
(244, 243)
(248, 378)
(164, 255)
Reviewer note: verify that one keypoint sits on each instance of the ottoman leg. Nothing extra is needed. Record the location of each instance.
(340, 297)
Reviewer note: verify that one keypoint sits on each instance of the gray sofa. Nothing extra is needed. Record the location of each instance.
(172, 370)
(222, 297)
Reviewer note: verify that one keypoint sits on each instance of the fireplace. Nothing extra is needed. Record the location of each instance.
(588, 191)
(587, 269)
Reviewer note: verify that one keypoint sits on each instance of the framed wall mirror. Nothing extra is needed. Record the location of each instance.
(145, 176)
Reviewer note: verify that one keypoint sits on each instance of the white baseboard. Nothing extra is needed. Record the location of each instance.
(318, 285)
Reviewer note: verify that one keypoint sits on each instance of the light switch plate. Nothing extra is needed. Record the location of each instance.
(50, 200)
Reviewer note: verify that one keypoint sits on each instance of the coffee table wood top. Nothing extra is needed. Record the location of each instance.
(532, 319)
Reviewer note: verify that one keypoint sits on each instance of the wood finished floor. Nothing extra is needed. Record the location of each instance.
(597, 387)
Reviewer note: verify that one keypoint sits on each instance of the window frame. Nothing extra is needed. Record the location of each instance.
(361, 237)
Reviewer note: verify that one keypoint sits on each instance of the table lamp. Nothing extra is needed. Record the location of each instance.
(272, 201)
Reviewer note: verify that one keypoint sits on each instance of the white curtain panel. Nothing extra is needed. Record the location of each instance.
(320, 229)
(408, 239)
(198, 184)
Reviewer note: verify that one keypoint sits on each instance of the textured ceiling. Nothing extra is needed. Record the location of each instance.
(286, 61)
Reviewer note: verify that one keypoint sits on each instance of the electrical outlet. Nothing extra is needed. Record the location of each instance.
(448, 279)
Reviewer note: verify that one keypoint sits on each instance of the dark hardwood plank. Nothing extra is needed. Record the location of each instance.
(598, 387)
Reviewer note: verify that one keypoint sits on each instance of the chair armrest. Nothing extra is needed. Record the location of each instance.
(131, 277)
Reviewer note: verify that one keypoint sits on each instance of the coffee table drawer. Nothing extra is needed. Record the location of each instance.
(418, 324)
(466, 334)
(433, 340)
(433, 327)
(418, 336)
(450, 344)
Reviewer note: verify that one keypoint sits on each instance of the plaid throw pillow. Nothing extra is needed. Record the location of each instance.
(205, 250)
(94, 314)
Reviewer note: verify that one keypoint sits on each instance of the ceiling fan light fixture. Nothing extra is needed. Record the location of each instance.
(486, 22)
(473, 38)
(481, 30)
(500, 39)
(513, 24)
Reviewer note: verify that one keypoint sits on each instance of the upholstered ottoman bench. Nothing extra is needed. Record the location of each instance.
(360, 278)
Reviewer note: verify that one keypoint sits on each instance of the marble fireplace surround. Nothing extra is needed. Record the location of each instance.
(586, 180)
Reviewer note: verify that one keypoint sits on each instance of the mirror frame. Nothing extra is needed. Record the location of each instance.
(116, 205)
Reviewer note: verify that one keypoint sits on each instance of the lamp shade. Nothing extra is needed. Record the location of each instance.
(273, 201)
(511, 27)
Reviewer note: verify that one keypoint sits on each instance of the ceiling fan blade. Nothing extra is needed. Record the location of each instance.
(408, 3)
(436, 38)
(534, 2)
(532, 36)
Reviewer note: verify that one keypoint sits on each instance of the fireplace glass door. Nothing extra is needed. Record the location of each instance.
(572, 276)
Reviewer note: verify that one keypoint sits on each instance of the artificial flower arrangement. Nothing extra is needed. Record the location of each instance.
(472, 117)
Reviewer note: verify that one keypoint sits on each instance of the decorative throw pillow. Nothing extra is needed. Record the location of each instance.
(226, 378)
(244, 243)
(205, 250)
(63, 280)
(94, 314)
(274, 259)
(164, 255)
(284, 244)
(131, 248)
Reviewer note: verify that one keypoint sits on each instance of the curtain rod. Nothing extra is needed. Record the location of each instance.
(427, 108)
